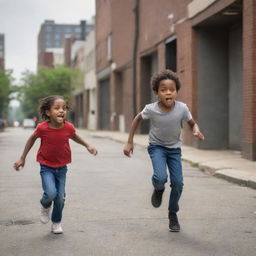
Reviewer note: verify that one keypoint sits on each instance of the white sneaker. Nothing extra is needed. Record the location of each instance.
(56, 228)
(45, 215)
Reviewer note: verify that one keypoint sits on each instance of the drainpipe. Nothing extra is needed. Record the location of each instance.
(136, 11)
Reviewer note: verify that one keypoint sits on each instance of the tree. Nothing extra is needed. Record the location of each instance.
(5, 91)
(57, 81)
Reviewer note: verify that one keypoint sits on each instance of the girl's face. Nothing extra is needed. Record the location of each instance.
(167, 94)
(57, 112)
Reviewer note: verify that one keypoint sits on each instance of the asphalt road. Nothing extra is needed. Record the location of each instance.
(108, 210)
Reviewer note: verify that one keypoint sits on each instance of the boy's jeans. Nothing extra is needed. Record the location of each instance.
(160, 157)
(53, 183)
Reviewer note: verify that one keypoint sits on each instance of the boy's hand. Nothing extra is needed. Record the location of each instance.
(18, 164)
(199, 135)
(92, 150)
(128, 149)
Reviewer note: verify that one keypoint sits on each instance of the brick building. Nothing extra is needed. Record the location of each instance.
(209, 43)
(52, 35)
(2, 52)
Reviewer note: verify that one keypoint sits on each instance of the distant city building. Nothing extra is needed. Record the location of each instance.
(2, 51)
(52, 35)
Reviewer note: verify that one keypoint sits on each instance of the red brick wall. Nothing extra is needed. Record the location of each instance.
(102, 30)
(249, 79)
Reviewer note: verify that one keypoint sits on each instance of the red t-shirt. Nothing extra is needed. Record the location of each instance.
(54, 150)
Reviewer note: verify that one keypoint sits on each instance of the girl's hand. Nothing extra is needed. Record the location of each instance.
(92, 150)
(128, 149)
(199, 135)
(18, 164)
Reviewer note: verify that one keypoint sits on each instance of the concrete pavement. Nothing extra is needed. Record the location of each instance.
(225, 164)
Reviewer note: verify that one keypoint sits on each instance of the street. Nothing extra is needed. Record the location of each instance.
(108, 209)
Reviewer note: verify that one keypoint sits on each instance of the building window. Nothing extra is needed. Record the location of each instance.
(57, 43)
(78, 30)
(48, 28)
(68, 29)
(57, 36)
(48, 44)
(58, 29)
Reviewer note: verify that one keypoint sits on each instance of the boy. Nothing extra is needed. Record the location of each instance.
(166, 116)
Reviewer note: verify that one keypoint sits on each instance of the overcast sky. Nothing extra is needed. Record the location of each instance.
(20, 21)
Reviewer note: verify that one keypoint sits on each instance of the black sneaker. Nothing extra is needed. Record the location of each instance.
(156, 198)
(174, 225)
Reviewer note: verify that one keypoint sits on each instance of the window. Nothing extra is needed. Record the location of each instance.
(78, 29)
(57, 36)
(48, 28)
(48, 44)
(57, 43)
(68, 29)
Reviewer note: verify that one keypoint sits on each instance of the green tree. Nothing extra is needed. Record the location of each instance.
(57, 81)
(5, 91)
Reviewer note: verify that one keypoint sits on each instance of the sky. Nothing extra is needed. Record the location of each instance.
(20, 21)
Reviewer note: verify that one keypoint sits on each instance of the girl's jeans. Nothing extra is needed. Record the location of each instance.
(171, 157)
(53, 183)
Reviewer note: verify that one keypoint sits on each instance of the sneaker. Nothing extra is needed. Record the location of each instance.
(174, 225)
(156, 198)
(45, 215)
(56, 228)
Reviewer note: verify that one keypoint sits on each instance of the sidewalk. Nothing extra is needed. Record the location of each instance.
(225, 164)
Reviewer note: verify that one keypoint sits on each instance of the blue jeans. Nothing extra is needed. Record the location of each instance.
(53, 183)
(171, 157)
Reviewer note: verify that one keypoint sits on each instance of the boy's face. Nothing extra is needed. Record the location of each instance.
(167, 93)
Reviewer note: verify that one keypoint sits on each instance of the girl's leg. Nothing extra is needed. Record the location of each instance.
(158, 158)
(60, 179)
(48, 185)
(176, 178)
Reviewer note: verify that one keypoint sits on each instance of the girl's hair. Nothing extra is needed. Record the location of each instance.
(166, 74)
(46, 103)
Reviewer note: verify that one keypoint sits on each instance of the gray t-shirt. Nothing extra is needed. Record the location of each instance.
(166, 126)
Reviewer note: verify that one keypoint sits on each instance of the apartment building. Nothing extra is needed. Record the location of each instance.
(53, 35)
(209, 43)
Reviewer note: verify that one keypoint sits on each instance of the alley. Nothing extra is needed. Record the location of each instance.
(108, 210)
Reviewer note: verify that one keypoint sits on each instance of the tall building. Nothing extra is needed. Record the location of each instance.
(2, 51)
(52, 35)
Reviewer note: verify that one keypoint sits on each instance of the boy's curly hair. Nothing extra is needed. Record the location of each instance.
(46, 103)
(166, 74)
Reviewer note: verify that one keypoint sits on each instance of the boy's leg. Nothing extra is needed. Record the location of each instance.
(60, 178)
(176, 178)
(159, 178)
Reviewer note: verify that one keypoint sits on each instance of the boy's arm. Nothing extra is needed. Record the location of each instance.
(29, 144)
(128, 149)
(195, 128)
(80, 141)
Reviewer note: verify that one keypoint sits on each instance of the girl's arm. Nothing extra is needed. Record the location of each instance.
(128, 149)
(21, 162)
(195, 128)
(80, 141)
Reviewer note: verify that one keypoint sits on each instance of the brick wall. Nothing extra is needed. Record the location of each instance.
(249, 80)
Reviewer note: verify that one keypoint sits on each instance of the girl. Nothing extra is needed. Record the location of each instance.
(53, 155)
